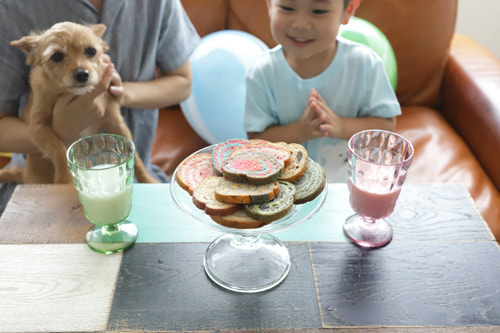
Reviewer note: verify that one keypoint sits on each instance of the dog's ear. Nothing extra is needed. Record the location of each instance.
(98, 29)
(28, 44)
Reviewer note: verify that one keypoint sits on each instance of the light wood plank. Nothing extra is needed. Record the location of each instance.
(39, 214)
(60, 287)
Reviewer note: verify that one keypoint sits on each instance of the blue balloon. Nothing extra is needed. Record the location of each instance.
(215, 108)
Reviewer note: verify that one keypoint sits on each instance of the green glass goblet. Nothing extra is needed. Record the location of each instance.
(102, 167)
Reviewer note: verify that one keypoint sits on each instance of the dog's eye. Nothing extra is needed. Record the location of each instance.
(91, 51)
(57, 57)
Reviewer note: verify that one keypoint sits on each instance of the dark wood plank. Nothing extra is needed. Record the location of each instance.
(164, 287)
(377, 330)
(42, 214)
(408, 284)
(437, 212)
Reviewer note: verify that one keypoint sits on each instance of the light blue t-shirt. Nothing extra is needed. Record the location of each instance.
(354, 85)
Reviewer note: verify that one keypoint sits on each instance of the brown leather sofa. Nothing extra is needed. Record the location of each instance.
(448, 87)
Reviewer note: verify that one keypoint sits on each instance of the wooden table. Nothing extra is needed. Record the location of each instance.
(441, 272)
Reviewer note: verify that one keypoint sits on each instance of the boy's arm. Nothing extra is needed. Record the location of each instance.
(343, 128)
(287, 133)
(318, 120)
(306, 128)
(294, 132)
(351, 126)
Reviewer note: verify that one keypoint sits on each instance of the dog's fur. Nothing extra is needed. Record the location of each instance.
(66, 59)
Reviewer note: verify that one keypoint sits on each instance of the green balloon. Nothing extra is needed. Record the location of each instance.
(364, 32)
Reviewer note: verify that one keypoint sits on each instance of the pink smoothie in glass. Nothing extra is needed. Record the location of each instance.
(376, 205)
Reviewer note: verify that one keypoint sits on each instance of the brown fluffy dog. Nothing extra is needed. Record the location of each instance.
(66, 59)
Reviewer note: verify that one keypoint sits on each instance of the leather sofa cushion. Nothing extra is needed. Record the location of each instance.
(442, 156)
(421, 52)
(251, 16)
(174, 140)
(472, 95)
(207, 15)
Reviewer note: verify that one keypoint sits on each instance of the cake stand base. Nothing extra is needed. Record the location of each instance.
(247, 264)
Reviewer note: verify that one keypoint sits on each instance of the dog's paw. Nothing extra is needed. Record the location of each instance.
(149, 180)
(146, 178)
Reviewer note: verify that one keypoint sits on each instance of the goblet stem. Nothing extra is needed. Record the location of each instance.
(247, 241)
(111, 228)
(247, 263)
(369, 220)
(111, 238)
(368, 232)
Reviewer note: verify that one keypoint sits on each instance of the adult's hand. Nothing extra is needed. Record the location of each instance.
(72, 113)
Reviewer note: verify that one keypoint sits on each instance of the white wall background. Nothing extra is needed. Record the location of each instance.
(480, 20)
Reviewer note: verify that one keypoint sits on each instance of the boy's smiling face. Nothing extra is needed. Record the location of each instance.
(307, 30)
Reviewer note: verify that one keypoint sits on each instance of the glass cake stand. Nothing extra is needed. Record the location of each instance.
(246, 260)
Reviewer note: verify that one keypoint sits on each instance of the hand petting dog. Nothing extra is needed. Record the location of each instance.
(72, 114)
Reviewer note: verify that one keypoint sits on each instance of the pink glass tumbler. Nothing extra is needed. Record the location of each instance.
(378, 163)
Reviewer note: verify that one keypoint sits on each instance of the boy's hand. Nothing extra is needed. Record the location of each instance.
(309, 123)
(330, 123)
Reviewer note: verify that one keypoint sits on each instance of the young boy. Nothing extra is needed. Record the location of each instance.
(316, 88)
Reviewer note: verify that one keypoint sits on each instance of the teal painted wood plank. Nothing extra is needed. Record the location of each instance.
(158, 219)
(423, 212)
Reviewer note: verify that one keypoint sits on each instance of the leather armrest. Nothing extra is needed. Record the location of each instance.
(471, 101)
(4, 160)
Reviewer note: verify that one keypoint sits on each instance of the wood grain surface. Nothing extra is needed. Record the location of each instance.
(164, 287)
(440, 273)
(40, 214)
(408, 284)
(437, 211)
(55, 288)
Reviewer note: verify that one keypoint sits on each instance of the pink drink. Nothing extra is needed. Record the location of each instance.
(375, 205)
(378, 162)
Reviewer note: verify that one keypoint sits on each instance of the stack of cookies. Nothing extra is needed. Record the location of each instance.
(250, 183)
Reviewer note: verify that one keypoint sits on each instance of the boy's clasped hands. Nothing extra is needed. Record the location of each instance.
(319, 120)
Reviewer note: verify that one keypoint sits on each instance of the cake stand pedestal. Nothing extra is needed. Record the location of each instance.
(246, 260)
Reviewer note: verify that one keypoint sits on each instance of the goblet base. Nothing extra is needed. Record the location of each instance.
(247, 264)
(112, 238)
(368, 234)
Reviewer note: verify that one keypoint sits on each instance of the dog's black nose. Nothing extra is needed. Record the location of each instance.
(81, 75)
